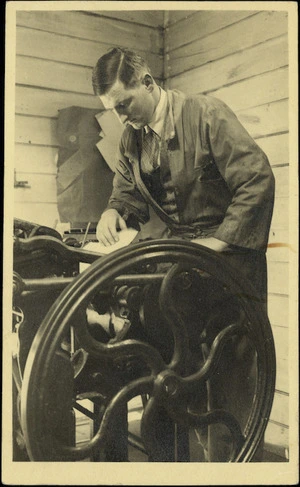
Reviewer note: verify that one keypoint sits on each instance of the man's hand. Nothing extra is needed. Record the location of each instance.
(108, 226)
(212, 243)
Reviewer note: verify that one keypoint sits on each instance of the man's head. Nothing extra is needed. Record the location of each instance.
(123, 82)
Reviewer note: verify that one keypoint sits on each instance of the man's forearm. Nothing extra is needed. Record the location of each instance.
(212, 243)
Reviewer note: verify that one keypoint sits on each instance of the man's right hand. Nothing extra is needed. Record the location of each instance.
(108, 226)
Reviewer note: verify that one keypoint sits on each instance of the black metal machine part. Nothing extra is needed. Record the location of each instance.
(165, 290)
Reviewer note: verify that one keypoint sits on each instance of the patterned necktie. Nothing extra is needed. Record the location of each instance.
(150, 151)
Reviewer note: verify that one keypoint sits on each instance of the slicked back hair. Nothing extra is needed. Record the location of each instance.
(118, 64)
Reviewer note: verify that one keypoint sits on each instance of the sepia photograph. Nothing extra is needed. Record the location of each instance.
(150, 288)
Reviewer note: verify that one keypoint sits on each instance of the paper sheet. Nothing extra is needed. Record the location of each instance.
(126, 236)
(111, 131)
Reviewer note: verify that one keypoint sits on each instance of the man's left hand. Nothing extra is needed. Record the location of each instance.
(212, 243)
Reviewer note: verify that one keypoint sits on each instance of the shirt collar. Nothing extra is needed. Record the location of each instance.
(162, 120)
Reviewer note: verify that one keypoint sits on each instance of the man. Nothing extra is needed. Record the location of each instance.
(190, 159)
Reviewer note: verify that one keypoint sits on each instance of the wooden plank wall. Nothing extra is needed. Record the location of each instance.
(238, 56)
(241, 57)
(55, 54)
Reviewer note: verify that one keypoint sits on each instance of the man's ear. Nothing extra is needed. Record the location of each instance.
(148, 80)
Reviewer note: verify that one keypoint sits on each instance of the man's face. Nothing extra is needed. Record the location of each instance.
(134, 106)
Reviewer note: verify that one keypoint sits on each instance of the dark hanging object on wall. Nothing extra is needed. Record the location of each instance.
(84, 180)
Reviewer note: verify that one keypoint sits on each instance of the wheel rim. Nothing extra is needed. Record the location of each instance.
(77, 294)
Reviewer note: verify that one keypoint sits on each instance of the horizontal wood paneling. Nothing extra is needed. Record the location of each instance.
(237, 56)
(276, 147)
(56, 51)
(278, 310)
(281, 338)
(152, 18)
(277, 435)
(33, 101)
(41, 213)
(281, 175)
(199, 25)
(84, 425)
(245, 66)
(42, 189)
(278, 246)
(35, 159)
(53, 75)
(280, 409)
(237, 37)
(265, 120)
(259, 59)
(280, 220)
(46, 103)
(177, 15)
(275, 85)
(58, 47)
(93, 28)
(282, 375)
(34, 130)
(278, 277)
(83, 431)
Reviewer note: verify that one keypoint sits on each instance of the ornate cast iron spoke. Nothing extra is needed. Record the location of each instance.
(123, 349)
(209, 367)
(217, 416)
(151, 442)
(62, 452)
(169, 386)
(174, 319)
